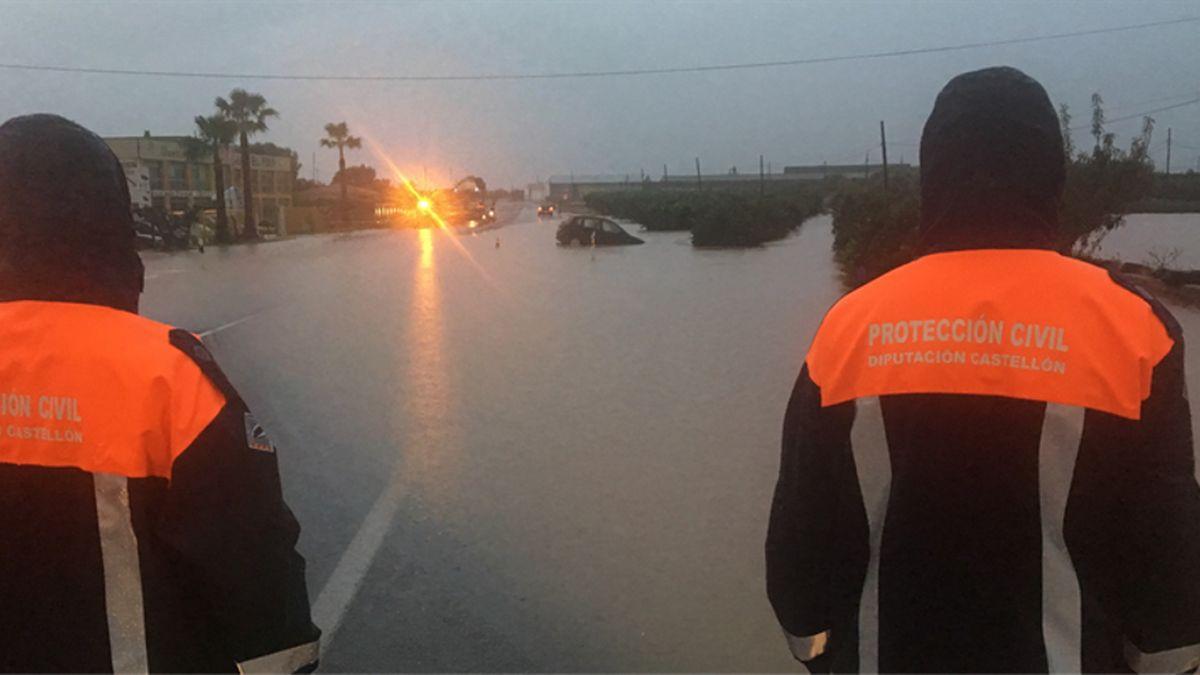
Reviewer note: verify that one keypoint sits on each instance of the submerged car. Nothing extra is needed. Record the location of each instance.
(547, 210)
(589, 230)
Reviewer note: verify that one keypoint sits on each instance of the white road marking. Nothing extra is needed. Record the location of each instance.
(339, 591)
(231, 324)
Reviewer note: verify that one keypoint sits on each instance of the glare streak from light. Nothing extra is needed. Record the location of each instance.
(431, 211)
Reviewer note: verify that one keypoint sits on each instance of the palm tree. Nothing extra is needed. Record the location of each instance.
(249, 113)
(213, 133)
(338, 136)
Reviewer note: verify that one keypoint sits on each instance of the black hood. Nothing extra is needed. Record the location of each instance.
(66, 230)
(992, 164)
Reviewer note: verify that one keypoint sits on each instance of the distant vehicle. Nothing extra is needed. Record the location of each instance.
(547, 211)
(592, 229)
(465, 206)
(479, 219)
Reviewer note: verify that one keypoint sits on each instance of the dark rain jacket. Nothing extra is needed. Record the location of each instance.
(988, 467)
(142, 523)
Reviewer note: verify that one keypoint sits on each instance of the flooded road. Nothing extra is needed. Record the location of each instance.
(1147, 235)
(516, 456)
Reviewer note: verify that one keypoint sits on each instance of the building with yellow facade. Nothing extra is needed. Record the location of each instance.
(161, 175)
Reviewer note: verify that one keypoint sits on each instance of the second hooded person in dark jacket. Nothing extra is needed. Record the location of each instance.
(987, 459)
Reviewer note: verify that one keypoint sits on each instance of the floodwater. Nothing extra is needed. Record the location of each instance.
(1147, 236)
(512, 456)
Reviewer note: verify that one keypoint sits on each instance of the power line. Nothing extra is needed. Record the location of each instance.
(595, 73)
(1125, 118)
(1165, 108)
(1160, 99)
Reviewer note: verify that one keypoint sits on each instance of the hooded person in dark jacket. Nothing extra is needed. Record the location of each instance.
(142, 522)
(66, 229)
(987, 458)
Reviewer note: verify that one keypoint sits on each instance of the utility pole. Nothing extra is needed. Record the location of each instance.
(883, 146)
(1168, 151)
(699, 180)
(762, 177)
(867, 165)
(664, 173)
(314, 166)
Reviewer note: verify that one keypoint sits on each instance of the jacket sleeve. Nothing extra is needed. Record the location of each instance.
(225, 518)
(808, 534)
(1160, 526)
(1134, 518)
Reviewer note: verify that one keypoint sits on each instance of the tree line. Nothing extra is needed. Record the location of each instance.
(875, 227)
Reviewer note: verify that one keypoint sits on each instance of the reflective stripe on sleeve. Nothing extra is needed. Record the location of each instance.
(808, 648)
(122, 575)
(868, 441)
(1179, 660)
(1062, 613)
(288, 660)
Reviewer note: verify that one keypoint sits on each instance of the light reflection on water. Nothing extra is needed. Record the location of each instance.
(429, 445)
(426, 236)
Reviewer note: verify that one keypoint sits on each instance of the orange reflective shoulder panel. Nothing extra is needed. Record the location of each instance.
(97, 389)
(1019, 323)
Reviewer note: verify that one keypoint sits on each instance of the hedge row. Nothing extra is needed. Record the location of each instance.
(715, 218)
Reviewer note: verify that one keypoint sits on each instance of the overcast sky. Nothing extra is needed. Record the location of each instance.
(513, 132)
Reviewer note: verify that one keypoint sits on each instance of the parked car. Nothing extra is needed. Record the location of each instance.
(147, 234)
(587, 230)
(547, 210)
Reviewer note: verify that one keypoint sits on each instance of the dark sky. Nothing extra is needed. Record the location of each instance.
(513, 132)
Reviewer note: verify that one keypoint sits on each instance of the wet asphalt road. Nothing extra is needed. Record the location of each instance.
(517, 457)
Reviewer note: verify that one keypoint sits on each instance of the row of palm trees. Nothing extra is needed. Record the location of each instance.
(241, 116)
